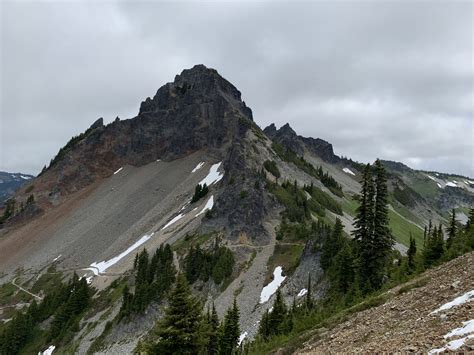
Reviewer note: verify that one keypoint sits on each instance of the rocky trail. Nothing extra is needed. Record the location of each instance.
(408, 321)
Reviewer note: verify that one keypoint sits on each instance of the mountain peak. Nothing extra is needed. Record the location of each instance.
(197, 85)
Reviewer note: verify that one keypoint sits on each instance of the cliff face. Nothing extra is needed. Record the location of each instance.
(288, 138)
(199, 110)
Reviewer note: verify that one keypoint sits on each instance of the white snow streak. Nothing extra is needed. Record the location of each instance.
(100, 267)
(242, 337)
(199, 166)
(439, 185)
(213, 176)
(119, 170)
(348, 171)
(272, 287)
(208, 206)
(432, 178)
(174, 220)
(25, 177)
(452, 184)
(48, 351)
(468, 296)
(467, 328)
(302, 292)
(57, 258)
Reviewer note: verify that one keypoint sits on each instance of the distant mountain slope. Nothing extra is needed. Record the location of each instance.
(10, 182)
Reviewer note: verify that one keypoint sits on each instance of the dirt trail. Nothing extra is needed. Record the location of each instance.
(25, 290)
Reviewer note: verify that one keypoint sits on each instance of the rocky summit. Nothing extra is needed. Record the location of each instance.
(261, 241)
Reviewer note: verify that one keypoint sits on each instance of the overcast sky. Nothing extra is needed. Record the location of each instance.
(376, 79)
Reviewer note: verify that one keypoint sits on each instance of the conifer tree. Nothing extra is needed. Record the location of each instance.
(178, 331)
(230, 330)
(451, 230)
(343, 269)
(213, 344)
(411, 254)
(278, 314)
(309, 297)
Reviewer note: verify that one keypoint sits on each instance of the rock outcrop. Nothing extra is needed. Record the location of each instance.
(288, 138)
(199, 110)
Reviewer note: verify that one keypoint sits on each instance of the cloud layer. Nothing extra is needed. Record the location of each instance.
(376, 79)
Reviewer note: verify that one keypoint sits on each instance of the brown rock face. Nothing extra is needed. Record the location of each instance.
(199, 110)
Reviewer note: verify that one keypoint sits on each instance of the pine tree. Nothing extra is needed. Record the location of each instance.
(361, 229)
(178, 331)
(264, 327)
(411, 254)
(309, 297)
(230, 330)
(451, 230)
(332, 245)
(213, 344)
(278, 315)
(343, 269)
(382, 238)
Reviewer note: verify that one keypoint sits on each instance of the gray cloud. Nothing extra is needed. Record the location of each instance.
(377, 79)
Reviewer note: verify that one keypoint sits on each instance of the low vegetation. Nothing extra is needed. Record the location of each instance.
(290, 156)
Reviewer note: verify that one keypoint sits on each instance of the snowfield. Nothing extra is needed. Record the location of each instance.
(199, 166)
(208, 206)
(100, 267)
(348, 171)
(272, 287)
(213, 176)
(468, 296)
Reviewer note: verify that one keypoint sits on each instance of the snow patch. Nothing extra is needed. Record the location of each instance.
(432, 178)
(242, 337)
(348, 171)
(272, 287)
(88, 279)
(57, 258)
(25, 177)
(48, 351)
(468, 296)
(208, 206)
(100, 267)
(302, 292)
(199, 166)
(467, 328)
(451, 184)
(174, 220)
(119, 170)
(213, 176)
(439, 185)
